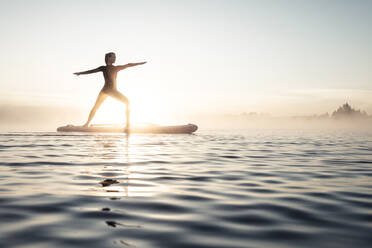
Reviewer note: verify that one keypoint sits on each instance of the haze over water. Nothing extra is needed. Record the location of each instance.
(254, 188)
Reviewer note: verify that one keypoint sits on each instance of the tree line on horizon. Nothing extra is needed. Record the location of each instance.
(345, 111)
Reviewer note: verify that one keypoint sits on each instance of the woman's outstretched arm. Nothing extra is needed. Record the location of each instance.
(121, 67)
(89, 72)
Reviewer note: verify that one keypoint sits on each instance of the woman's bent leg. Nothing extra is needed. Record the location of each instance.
(100, 98)
(117, 95)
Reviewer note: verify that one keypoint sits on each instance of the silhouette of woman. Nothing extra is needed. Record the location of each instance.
(109, 89)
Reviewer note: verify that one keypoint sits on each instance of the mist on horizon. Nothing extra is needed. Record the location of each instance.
(47, 118)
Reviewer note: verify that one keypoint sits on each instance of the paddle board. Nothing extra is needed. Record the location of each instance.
(189, 128)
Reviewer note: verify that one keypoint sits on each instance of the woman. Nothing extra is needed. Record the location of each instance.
(109, 89)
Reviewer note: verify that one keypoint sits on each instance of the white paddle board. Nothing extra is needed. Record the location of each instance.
(187, 129)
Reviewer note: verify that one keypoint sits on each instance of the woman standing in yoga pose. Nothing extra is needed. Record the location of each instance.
(109, 89)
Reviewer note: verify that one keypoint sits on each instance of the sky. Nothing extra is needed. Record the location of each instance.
(203, 57)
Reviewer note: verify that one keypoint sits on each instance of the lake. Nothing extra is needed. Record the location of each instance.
(216, 188)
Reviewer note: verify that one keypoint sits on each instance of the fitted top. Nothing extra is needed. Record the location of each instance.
(109, 73)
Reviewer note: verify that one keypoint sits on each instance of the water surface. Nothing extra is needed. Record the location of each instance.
(267, 188)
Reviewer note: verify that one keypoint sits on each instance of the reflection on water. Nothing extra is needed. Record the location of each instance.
(213, 189)
(133, 179)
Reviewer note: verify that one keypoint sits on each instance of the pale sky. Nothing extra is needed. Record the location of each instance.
(289, 57)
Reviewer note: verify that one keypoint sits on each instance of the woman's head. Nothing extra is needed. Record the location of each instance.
(110, 58)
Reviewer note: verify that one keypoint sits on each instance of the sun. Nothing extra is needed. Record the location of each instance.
(142, 110)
